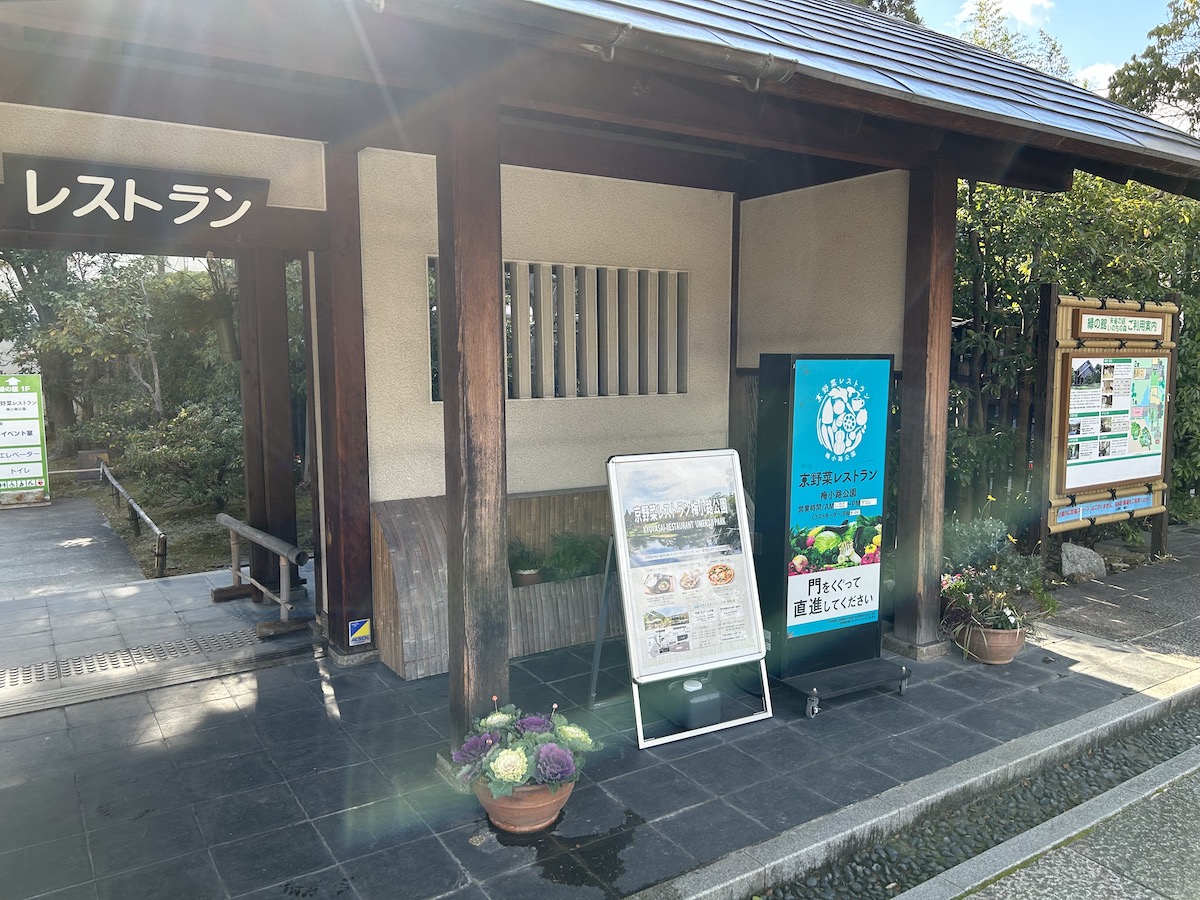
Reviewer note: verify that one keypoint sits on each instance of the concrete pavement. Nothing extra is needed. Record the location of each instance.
(65, 546)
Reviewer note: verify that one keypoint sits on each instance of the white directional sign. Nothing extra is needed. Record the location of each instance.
(23, 467)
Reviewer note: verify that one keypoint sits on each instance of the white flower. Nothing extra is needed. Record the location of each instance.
(510, 765)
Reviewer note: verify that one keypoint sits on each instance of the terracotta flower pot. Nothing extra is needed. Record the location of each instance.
(529, 808)
(992, 646)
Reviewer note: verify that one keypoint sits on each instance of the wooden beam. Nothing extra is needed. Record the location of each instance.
(595, 151)
(1010, 165)
(471, 319)
(929, 302)
(339, 40)
(644, 98)
(341, 368)
(776, 173)
(285, 229)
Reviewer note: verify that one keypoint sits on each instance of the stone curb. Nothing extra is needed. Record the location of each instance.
(863, 824)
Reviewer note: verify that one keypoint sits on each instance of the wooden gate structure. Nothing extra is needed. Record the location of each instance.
(772, 112)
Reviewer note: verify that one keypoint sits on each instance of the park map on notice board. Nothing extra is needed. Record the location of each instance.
(1116, 419)
(687, 580)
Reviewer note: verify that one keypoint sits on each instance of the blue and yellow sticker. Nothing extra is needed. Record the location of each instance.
(360, 632)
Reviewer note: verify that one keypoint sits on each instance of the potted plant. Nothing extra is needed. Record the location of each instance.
(991, 593)
(525, 563)
(523, 767)
(575, 555)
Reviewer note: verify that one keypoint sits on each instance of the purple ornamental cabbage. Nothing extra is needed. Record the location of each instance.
(554, 764)
(470, 755)
(475, 747)
(535, 725)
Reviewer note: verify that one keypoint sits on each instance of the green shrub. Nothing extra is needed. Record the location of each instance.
(575, 555)
(194, 458)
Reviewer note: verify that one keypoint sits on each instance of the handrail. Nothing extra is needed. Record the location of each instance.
(137, 515)
(272, 543)
(286, 552)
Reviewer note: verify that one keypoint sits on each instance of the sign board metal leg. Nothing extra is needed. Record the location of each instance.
(601, 627)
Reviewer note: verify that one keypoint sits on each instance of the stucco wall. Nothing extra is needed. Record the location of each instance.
(295, 168)
(548, 217)
(822, 269)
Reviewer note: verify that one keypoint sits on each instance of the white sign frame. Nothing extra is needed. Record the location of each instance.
(637, 595)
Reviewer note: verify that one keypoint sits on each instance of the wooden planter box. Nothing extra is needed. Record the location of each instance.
(409, 584)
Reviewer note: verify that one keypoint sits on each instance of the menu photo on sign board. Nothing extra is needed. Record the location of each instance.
(1116, 418)
(687, 576)
(836, 492)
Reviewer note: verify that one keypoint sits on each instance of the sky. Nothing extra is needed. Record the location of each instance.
(1096, 35)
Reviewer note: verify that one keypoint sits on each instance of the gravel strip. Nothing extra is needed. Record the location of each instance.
(952, 836)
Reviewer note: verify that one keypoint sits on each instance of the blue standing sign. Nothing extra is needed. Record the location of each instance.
(836, 492)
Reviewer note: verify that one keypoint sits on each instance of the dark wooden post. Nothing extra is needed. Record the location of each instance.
(275, 390)
(266, 403)
(311, 452)
(1043, 403)
(342, 378)
(252, 415)
(472, 375)
(1159, 544)
(929, 302)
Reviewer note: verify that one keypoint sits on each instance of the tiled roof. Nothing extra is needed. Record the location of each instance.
(837, 41)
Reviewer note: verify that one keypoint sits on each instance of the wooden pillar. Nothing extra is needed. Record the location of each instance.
(1159, 543)
(266, 403)
(1046, 342)
(472, 375)
(929, 301)
(252, 417)
(341, 371)
(275, 391)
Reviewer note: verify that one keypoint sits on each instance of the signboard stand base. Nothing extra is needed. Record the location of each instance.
(848, 679)
(727, 697)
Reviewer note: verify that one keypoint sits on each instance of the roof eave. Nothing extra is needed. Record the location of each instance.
(606, 36)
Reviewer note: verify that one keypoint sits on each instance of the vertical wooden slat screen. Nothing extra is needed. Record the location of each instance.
(668, 333)
(608, 377)
(590, 331)
(627, 352)
(682, 322)
(543, 332)
(588, 359)
(564, 313)
(648, 332)
(522, 363)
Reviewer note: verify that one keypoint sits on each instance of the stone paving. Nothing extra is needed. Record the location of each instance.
(304, 779)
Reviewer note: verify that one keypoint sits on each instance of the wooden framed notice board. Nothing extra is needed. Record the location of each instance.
(1109, 402)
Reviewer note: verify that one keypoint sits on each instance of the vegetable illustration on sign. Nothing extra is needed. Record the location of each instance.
(835, 532)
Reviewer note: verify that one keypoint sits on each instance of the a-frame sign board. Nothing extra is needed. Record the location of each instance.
(688, 588)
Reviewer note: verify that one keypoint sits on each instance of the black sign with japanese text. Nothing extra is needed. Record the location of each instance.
(74, 197)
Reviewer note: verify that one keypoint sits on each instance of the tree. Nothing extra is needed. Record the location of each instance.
(987, 26)
(900, 9)
(1099, 239)
(38, 284)
(1165, 77)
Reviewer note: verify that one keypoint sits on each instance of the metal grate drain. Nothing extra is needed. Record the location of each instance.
(121, 659)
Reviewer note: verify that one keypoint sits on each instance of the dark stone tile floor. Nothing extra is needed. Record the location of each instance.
(304, 780)
(308, 781)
